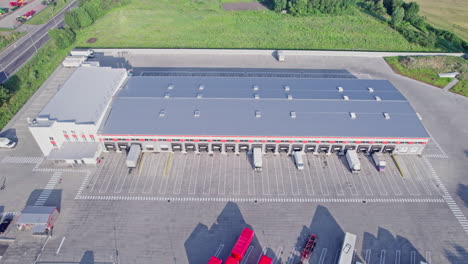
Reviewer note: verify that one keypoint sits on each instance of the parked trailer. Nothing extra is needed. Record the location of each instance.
(379, 161)
(298, 159)
(83, 52)
(347, 249)
(257, 158)
(231, 260)
(215, 260)
(353, 161)
(265, 260)
(242, 244)
(308, 248)
(133, 156)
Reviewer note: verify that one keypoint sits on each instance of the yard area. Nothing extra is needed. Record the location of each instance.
(427, 68)
(447, 14)
(47, 13)
(203, 24)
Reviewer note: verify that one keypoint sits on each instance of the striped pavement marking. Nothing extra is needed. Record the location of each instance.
(253, 200)
(22, 160)
(48, 189)
(461, 218)
(58, 170)
(9, 214)
(83, 184)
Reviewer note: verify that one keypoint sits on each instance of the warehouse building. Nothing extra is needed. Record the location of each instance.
(190, 110)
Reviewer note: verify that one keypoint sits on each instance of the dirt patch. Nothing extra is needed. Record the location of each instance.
(243, 6)
(91, 40)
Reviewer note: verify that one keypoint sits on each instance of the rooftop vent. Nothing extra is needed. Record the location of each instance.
(377, 98)
(340, 89)
(170, 87)
(162, 113)
(201, 87)
(167, 95)
(258, 114)
(386, 115)
(371, 90)
(199, 95)
(255, 87)
(289, 97)
(196, 113)
(256, 96)
(353, 115)
(287, 88)
(346, 98)
(293, 114)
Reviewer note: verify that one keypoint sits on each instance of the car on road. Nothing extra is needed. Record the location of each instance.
(4, 225)
(6, 143)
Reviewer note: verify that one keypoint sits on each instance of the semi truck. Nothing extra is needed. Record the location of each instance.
(83, 52)
(133, 156)
(353, 161)
(257, 158)
(347, 249)
(379, 161)
(298, 160)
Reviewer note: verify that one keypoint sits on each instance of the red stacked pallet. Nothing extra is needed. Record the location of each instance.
(215, 260)
(265, 260)
(242, 244)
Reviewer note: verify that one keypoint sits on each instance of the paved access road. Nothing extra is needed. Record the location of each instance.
(16, 55)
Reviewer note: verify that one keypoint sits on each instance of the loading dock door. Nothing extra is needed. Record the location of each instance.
(189, 147)
(297, 148)
(309, 148)
(336, 148)
(323, 148)
(350, 147)
(363, 148)
(230, 148)
(283, 148)
(109, 146)
(389, 149)
(376, 148)
(176, 147)
(243, 148)
(270, 148)
(216, 147)
(122, 146)
(203, 147)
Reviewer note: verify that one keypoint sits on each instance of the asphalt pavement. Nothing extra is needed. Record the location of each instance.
(16, 55)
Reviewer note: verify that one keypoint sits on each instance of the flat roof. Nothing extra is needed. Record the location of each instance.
(83, 98)
(35, 214)
(226, 106)
(75, 151)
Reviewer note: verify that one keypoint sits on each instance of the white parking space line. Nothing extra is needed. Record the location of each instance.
(222, 175)
(388, 176)
(110, 173)
(428, 257)
(368, 256)
(60, 246)
(320, 175)
(102, 170)
(407, 179)
(194, 174)
(279, 178)
(251, 181)
(247, 255)
(142, 169)
(124, 174)
(368, 172)
(377, 178)
(397, 257)
(339, 163)
(308, 177)
(382, 257)
(323, 255)
(415, 166)
(325, 165)
(265, 176)
(179, 173)
(165, 172)
(158, 159)
(218, 251)
(278, 253)
(413, 257)
(289, 166)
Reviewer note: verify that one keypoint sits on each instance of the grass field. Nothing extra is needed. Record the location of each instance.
(447, 14)
(47, 13)
(6, 38)
(427, 68)
(203, 24)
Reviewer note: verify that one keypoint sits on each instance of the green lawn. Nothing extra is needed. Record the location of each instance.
(427, 68)
(203, 24)
(7, 38)
(46, 14)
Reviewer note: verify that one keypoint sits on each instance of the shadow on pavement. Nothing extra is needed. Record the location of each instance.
(111, 61)
(88, 257)
(54, 199)
(462, 191)
(220, 237)
(458, 255)
(10, 134)
(389, 249)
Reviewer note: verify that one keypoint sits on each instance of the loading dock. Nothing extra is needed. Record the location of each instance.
(122, 146)
(310, 148)
(388, 149)
(323, 148)
(110, 146)
(336, 148)
(351, 147)
(230, 148)
(203, 147)
(363, 148)
(297, 148)
(243, 148)
(270, 148)
(189, 147)
(283, 148)
(376, 148)
(176, 147)
(216, 147)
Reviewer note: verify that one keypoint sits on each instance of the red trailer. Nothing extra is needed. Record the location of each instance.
(309, 247)
(231, 260)
(215, 260)
(242, 243)
(265, 260)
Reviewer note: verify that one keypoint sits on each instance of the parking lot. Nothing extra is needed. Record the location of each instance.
(229, 175)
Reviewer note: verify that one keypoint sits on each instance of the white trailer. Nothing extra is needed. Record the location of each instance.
(353, 161)
(73, 61)
(89, 53)
(347, 249)
(257, 158)
(133, 156)
(379, 161)
(298, 159)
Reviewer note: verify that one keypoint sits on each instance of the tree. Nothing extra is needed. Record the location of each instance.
(298, 7)
(63, 38)
(4, 95)
(72, 20)
(84, 18)
(379, 7)
(279, 5)
(397, 16)
(92, 9)
(411, 11)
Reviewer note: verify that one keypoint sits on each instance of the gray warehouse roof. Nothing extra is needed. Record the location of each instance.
(227, 106)
(84, 96)
(35, 214)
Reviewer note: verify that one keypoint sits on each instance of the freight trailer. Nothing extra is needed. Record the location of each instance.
(242, 244)
(379, 161)
(215, 260)
(133, 156)
(231, 260)
(265, 260)
(353, 161)
(257, 158)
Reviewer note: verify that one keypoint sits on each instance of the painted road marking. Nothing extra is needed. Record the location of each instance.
(60, 246)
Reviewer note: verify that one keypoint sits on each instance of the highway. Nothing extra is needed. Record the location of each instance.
(17, 54)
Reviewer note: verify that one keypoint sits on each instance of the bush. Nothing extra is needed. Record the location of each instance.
(63, 38)
(279, 5)
(84, 18)
(72, 19)
(411, 11)
(397, 16)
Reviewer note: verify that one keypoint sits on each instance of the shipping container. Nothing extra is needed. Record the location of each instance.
(133, 156)
(298, 159)
(231, 260)
(242, 243)
(257, 158)
(215, 260)
(265, 260)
